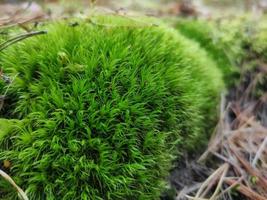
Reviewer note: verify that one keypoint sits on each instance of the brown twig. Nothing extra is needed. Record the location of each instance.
(16, 39)
(10, 180)
(246, 191)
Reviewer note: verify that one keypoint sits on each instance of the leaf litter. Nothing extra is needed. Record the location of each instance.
(236, 157)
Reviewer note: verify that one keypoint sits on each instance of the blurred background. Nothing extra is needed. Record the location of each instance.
(199, 8)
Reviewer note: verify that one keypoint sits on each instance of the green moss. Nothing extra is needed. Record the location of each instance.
(103, 107)
(221, 45)
(230, 42)
(259, 43)
(6, 126)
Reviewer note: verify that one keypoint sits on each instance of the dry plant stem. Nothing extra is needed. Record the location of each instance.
(214, 196)
(259, 152)
(212, 183)
(20, 38)
(213, 144)
(216, 137)
(232, 142)
(230, 187)
(249, 89)
(187, 190)
(10, 180)
(217, 190)
(250, 170)
(246, 191)
(195, 198)
(242, 118)
(213, 177)
(211, 147)
(247, 130)
(209, 186)
(230, 161)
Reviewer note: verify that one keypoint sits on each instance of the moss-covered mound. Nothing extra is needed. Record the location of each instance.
(230, 42)
(99, 108)
(223, 43)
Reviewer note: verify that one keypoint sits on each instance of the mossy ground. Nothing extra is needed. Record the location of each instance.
(229, 41)
(223, 44)
(98, 109)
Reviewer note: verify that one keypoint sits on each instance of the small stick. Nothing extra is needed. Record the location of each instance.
(217, 190)
(245, 190)
(187, 190)
(11, 41)
(215, 175)
(250, 170)
(227, 190)
(230, 161)
(194, 198)
(259, 152)
(10, 180)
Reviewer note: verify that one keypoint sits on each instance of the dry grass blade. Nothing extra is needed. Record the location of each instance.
(11, 41)
(216, 138)
(187, 190)
(10, 180)
(230, 187)
(259, 152)
(253, 172)
(214, 177)
(246, 191)
(219, 185)
(224, 169)
(195, 198)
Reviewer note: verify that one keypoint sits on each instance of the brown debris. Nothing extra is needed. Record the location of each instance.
(240, 143)
(183, 8)
(21, 14)
(246, 190)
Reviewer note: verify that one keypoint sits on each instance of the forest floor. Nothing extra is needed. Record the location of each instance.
(234, 164)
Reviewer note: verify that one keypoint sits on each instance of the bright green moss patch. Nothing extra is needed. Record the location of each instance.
(6, 126)
(103, 107)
